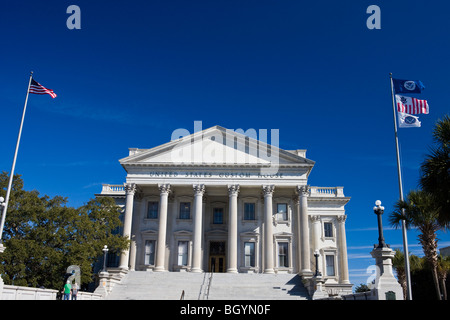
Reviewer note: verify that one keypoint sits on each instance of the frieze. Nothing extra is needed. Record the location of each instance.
(223, 175)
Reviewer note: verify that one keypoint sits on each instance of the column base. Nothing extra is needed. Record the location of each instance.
(159, 269)
(123, 268)
(306, 273)
(269, 271)
(196, 270)
(232, 270)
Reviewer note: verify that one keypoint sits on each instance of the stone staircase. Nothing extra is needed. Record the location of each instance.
(141, 285)
(256, 286)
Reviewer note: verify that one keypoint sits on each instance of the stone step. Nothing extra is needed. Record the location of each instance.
(141, 285)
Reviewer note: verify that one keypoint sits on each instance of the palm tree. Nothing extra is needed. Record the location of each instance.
(398, 263)
(435, 170)
(420, 211)
(443, 269)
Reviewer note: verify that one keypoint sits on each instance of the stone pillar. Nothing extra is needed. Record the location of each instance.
(132, 258)
(268, 234)
(305, 268)
(199, 190)
(315, 233)
(343, 250)
(164, 190)
(233, 191)
(386, 285)
(130, 189)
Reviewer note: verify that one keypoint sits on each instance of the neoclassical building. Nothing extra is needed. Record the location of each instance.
(220, 200)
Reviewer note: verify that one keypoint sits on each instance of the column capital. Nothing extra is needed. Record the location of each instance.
(268, 189)
(341, 218)
(199, 189)
(315, 218)
(233, 189)
(130, 188)
(164, 188)
(303, 190)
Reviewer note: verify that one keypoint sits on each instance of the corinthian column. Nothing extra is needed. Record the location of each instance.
(233, 191)
(305, 267)
(164, 190)
(343, 249)
(199, 190)
(130, 189)
(268, 234)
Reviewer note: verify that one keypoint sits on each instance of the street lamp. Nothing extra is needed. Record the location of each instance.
(316, 254)
(105, 252)
(379, 210)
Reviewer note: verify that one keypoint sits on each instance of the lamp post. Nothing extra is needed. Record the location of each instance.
(379, 210)
(105, 252)
(317, 273)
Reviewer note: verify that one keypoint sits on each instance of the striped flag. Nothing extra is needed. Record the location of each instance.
(38, 88)
(411, 105)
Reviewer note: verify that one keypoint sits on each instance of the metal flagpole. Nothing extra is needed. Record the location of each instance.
(11, 175)
(405, 240)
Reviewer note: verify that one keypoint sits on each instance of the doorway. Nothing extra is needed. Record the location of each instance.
(217, 261)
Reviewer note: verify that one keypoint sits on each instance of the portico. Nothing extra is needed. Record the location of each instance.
(234, 214)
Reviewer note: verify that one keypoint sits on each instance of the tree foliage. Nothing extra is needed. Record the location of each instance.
(421, 275)
(43, 236)
(435, 170)
(420, 210)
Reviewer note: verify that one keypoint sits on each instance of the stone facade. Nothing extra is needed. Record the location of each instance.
(229, 210)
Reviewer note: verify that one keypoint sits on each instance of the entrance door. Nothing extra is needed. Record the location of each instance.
(217, 264)
(217, 256)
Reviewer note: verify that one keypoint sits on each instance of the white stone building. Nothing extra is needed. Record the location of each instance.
(219, 201)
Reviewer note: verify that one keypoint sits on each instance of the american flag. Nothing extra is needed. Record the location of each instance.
(411, 105)
(38, 88)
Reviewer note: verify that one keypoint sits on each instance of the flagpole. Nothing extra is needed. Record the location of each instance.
(405, 240)
(11, 175)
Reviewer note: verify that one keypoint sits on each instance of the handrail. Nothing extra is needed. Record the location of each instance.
(209, 286)
(182, 295)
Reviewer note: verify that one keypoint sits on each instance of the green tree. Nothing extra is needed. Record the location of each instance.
(398, 263)
(421, 212)
(435, 170)
(443, 270)
(362, 288)
(43, 236)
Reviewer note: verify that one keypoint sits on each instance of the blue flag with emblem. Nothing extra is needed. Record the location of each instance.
(408, 86)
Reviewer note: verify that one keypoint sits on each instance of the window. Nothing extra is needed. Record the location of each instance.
(282, 214)
(249, 251)
(149, 252)
(249, 211)
(328, 228)
(185, 210)
(218, 215)
(329, 259)
(182, 253)
(152, 211)
(283, 259)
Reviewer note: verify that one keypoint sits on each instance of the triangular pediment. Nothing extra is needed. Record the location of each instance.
(216, 146)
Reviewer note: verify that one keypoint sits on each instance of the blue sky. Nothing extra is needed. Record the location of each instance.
(137, 71)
